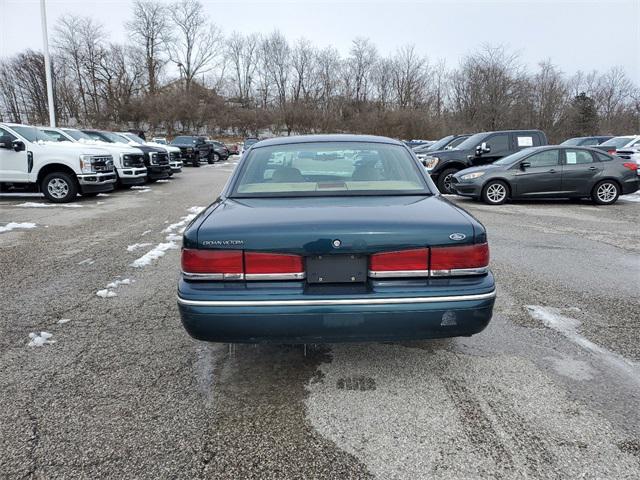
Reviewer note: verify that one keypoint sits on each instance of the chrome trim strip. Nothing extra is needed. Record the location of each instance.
(335, 301)
(275, 276)
(460, 271)
(248, 276)
(398, 273)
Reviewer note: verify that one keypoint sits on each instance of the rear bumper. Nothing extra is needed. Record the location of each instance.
(319, 320)
(630, 185)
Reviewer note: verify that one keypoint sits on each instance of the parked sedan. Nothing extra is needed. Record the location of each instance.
(333, 238)
(543, 172)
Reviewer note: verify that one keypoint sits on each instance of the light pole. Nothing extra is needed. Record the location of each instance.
(47, 64)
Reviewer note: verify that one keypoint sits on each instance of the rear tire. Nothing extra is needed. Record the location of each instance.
(196, 163)
(605, 192)
(444, 181)
(59, 187)
(216, 158)
(495, 192)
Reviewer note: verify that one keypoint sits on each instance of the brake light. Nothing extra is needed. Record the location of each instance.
(612, 152)
(630, 166)
(460, 260)
(239, 265)
(213, 264)
(403, 263)
(272, 266)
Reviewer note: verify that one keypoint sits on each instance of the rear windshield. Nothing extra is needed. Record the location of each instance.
(617, 142)
(329, 169)
(250, 142)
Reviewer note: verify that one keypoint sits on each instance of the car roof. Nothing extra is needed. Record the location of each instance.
(325, 138)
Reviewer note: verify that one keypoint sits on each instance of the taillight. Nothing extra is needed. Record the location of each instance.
(272, 266)
(239, 265)
(460, 260)
(612, 152)
(630, 166)
(213, 264)
(403, 263)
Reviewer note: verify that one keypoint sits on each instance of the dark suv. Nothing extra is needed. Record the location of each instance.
(478, 149)
(220, 151)
(193, 149)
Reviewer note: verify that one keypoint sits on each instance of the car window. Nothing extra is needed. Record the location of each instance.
(572, 141)
(7, 136)
(603, 157)
(329, 169)
(58, 137)
(577, 157)
(635, 144)
(499, 144)
(78, 135)
(32, 134)
(546, 158)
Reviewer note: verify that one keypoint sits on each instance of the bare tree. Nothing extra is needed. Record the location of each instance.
(276, 60)
(150, 28)
(242, 52)
(360, 64)
(198, 45)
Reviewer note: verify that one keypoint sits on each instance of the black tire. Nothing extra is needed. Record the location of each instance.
(444, 180)
(495, 192)
(216, 157)
(605, 192)
(59, 187)
(152, 180)
(196, 163)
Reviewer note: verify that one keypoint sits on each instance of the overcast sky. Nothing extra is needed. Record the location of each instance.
(583, 35)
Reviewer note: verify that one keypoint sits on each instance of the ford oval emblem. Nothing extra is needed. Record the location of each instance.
(336, 243)
(457, 236)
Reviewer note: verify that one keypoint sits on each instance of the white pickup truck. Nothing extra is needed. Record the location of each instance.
(30, 161)
(128, 161)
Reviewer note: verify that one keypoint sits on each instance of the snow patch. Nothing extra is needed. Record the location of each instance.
(164, 181)
(40, 339)
(103, 195)
(136, 246)
(184, 221)
(87, 261)
(173, 237)
(62, 321)
(154, 254)
(13, 225)
(106, 293)
(46, 205)
(117, 283)
(140, 187)
(145, 232)
(633, 197)
(567, 326)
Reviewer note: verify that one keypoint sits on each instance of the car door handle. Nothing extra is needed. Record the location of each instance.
(553, 170)
(593, 168)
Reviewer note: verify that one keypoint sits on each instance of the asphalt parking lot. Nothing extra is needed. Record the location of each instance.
(549, 390)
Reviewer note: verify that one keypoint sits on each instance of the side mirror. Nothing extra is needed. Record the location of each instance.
(525, 165)
(17, 145)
